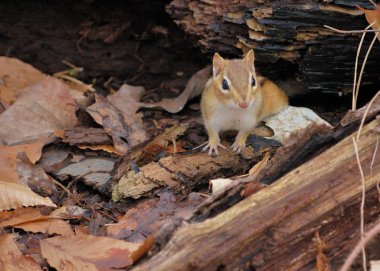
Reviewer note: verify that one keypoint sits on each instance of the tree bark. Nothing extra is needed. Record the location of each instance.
(275, 228)
(288, 36)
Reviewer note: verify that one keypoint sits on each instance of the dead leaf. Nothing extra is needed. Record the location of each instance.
(95, 172)
(69, 212)
(36, 114)
(126, 100)
(18, 216)
(146, 217)
(106, 148)
(15, 76)
(255, 170)
(30, 219)
(193, 88)
(90, 253)
(14, 195)
(34, 176)
(292, 119)
(8, 158)
(113, 123)
(54, 158)
(47, 225)
(219, 185)
(372, 16)
(12, 259)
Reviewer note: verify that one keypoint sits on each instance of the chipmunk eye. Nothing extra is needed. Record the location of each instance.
(225, 85)
(253, 81)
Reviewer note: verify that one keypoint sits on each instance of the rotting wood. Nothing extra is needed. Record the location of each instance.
(181, 172)
(274, 228)
(87, 136)
(288, 36)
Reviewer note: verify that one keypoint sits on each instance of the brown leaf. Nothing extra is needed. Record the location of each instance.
(15, 76)
(13, 196)
(8, 158)
(255, 170)
(34, 176)
(86, 252)
(113, 123)
(106, 148)
(47, 225)
(372, 16)
(146, 217)
(11, 258)
(126, 100)
(30, 219)
(193, 88)
(36, 113)
(18, 216)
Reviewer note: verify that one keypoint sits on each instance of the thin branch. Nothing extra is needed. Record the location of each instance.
(362, 178)
(373, 3)
(356, 68)
(354, 253)
(352, 31)
(371, 166)
(363, 65)
(365, 115)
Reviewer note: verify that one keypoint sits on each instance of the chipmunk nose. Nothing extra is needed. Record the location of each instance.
(243, 105)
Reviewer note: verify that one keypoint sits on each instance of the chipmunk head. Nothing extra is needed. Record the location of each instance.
(235, 80)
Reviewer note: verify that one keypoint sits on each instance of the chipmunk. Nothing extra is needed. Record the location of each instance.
(235, 98)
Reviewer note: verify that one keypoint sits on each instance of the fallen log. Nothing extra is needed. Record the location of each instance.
(274, 229)
(289, 37)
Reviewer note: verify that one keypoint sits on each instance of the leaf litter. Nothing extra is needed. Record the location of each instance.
(49, 146)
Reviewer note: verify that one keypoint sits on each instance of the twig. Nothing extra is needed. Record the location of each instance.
(174, 145)
(373, 3)
(372, 163)
(365, 114)
(363, 65)
(362, 178)
(356, 68)
(352, 31)
(354, 253)
(200, 146)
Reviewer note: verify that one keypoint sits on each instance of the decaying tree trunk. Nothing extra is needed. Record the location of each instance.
(288, 36)
(275, 228)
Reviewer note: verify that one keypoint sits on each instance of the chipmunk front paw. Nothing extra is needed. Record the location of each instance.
(238, 147)
(212, 147)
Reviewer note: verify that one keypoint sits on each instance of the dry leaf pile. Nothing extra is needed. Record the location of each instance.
(60, 158)
(67, 155)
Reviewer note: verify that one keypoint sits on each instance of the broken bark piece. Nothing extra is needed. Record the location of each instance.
(87, 136)
(179, 172)
(283, 218)
(145, 153)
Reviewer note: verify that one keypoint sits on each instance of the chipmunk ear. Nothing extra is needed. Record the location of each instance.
(250, 58)
(217, 64)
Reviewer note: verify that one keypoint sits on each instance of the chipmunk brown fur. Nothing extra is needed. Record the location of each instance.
(235, 98)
